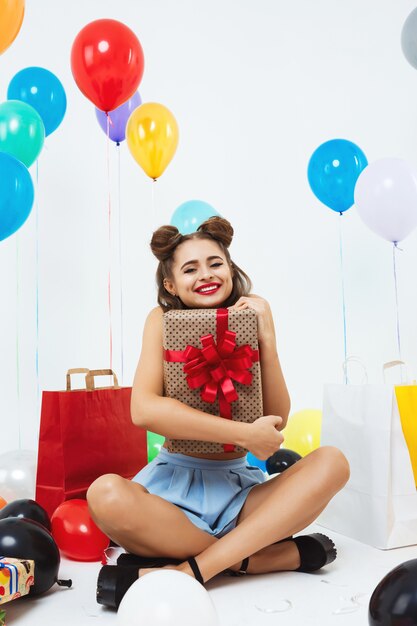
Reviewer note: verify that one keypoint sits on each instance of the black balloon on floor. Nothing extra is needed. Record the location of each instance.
(281, 460)
(24, 539)
(394, 600)
(28, 509)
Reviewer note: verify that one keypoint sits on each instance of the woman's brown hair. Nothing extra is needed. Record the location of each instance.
(165, 241)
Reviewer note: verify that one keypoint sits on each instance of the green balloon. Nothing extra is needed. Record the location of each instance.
(22, 132)
(154, 445)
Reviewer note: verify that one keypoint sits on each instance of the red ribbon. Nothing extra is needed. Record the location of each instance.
(214, 367)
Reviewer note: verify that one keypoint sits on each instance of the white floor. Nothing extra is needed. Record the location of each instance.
(337, 595)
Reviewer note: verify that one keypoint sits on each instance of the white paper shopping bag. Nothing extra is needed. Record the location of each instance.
(378, 505)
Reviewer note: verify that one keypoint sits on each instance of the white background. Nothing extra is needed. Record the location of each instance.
(255, 88)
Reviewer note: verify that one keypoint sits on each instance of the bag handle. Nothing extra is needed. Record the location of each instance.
(390, 364)
(76, 370)
(355, 359)
(89, 379)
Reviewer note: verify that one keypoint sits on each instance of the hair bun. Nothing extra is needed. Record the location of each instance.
(218, 228)
(164, 241)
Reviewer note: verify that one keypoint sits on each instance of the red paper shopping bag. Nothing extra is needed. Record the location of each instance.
(84, 434)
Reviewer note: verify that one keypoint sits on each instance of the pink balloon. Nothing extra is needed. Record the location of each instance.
(386, 198)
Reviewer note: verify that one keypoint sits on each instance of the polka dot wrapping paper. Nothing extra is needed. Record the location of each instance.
(183, 328)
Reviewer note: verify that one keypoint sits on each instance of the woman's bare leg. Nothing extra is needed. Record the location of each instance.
(141, 522)
(274, 510)
(150, 526)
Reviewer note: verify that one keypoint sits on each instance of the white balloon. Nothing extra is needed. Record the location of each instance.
(167, 598)
(386, 198)
(17, 475)
(409, 38)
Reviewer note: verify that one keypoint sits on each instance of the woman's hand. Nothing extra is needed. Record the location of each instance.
(266, 329)
(264, 438)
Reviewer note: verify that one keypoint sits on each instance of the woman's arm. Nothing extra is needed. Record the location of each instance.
(276, 400)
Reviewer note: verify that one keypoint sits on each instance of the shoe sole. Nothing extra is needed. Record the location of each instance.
(106, 586)
(328, 546)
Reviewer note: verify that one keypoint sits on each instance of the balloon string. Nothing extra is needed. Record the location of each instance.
(155, 220)
(343, 297)
(17, 337)
(37, 283)
(120, 261)
(110, 250)
(394, 248)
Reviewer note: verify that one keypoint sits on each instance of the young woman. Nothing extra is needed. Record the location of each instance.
(162, 515)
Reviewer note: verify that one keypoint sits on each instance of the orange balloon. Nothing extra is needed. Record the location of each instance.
(11, 18)
(2, 502)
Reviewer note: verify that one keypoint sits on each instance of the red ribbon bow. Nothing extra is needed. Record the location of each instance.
(214, 367)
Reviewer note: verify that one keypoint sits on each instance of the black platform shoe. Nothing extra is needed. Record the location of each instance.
(315, 551)
(114, 580)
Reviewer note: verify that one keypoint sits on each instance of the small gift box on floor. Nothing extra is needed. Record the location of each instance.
(211, 363)
(16, 578)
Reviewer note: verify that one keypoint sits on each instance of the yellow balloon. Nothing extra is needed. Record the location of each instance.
(302, 432)
(11, 18)
(152, 137)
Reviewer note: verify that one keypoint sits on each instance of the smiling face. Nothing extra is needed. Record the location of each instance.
(201, 275)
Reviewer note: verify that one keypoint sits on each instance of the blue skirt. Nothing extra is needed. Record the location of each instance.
(210, 493)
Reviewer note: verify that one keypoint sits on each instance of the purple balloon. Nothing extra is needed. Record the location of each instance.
(118, 118)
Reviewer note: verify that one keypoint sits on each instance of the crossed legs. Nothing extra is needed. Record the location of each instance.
(146, 524)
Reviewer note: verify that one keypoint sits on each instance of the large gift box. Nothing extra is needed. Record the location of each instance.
(211, 363)
(16, 578)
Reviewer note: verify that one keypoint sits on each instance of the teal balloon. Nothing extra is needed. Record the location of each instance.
(155, 443)
(43, 91)
(333, 170)
(189, 215)
(16, 195)
(22, 132)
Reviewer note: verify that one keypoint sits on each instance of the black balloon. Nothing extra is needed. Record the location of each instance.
(281, 460)
(394, 600)
(24, 539)
(28, 509)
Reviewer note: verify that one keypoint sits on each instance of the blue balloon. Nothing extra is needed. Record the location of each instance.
(333, 170)
(43, 91)
(16, 194)
(252, 460)
(189, 215)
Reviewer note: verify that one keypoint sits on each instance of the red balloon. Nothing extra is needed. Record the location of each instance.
(107, 63)
(76, 534)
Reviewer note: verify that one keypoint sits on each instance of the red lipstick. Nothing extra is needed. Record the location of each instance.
(208, 289)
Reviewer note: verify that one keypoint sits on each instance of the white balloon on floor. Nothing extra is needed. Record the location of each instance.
(17, 474)
(167, 598)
